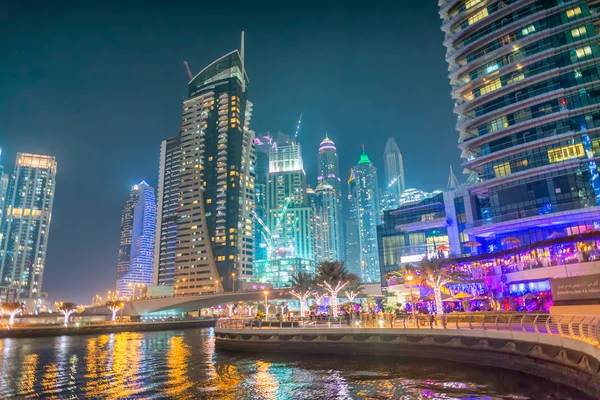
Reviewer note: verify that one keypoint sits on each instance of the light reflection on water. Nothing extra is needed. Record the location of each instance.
(184, 365)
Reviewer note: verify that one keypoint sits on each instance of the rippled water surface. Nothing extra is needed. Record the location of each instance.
(183, 364)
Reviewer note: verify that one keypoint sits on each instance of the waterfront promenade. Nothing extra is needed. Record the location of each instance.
(102, 328)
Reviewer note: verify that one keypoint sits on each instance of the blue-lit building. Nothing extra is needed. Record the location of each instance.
(525, 77)
(136, 245)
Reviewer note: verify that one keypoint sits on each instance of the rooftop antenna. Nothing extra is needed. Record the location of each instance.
(298, 128)
(187, 67)
(243, 69)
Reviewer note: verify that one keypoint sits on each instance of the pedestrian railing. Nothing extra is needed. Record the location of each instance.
(580, 327)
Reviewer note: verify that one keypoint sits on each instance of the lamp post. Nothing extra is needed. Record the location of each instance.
(409, 277)
(266, 293)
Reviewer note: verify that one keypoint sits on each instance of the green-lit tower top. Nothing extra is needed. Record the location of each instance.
(364, 159)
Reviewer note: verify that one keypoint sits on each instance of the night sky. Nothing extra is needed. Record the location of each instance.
(98, 85)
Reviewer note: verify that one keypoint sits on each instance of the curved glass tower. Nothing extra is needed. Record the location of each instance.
(525, 80)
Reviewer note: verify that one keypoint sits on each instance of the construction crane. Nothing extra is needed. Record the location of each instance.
(187, 67)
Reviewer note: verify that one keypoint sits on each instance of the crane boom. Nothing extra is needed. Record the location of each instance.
(187, 67)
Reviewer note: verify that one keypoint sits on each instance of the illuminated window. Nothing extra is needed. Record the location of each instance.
(524, 163)
(491, 68)
(490, 87)
(573, 12)
(221, 258)
(480, 15)
(577, 32)
(472, 3)
(515, 78)
(528, 30)
(497, 124)
(583, 52)
(208, 201)
(566, 153)
(502, 169)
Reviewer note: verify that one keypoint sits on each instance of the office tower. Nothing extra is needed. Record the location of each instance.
(3, 189)
(289, 216)
(215, 238)
(26, 225)
(364, 209)
(329, 174)
(166, 211)
(328, 221)
(352, 245)
(262, 144)
(394, 168)
(136, 246)
(524, 77)
(388, 200)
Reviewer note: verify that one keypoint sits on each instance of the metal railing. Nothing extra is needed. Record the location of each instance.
(581, 327)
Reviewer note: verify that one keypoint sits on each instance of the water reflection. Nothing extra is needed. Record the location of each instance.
(185, 365)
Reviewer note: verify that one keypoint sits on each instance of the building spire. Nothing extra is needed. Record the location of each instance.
(364, 159)
(243, 68)
(453, 183)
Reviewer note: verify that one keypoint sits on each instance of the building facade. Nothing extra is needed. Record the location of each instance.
(524, 77)
(364, 210)
(3, 190)
(215, 238)
(166, 211)
(328, 224)
(136, 245)
(394, 168)
(26, 225)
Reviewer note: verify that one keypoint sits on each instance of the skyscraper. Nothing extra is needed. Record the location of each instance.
(3, 189)
(136, 246)
(394, 168)
(332, 218)
(262, 145)
(26, 224)
(166, 211)
(364, 210)
(215, 238)
(524, 77)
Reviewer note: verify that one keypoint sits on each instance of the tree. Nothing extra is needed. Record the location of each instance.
(437, 273)
(67, 309)
(12, 309)
(114, 306)
(302, 288)
(333, 277)
(353, 289)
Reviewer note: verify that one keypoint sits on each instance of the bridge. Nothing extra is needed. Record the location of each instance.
(563, 349)
(177, 305)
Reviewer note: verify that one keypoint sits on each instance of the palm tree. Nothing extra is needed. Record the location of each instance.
(67, 309)
(114, 306)
(437, 273)
(12, 309)
(333, 277)
(302, 288)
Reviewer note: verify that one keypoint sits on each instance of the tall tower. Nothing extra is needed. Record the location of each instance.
(364, 210)
(524, 77)
(328, 216)
(3, 189)
(166, 211)
(262, 145)
(394, 168)
(329, 176)
(136, 246)
(26, 224)
(215, 239)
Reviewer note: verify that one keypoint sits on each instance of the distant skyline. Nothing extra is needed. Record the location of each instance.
(99, 85)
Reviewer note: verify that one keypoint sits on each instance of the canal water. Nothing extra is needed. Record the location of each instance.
(183, 364)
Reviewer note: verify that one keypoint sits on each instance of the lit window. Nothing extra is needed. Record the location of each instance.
(480, 15)
(573, 12)
(566, 153)
(490, 87)
(491, 68)
(528, 30)
(577, 32)
(515, 78)
(583, 52)
(497, 124)
(502, 169)
(472, 3)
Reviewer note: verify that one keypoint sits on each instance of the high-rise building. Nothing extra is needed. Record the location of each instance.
(329, 175)
(3, 189)
(166, 211)
(290, 217)
(524, 76)
(364, 209)
(26, 225)
(262, 145)
(215, 238)
(352, 245)
(136, 246)
(329, 223)
(394, 168)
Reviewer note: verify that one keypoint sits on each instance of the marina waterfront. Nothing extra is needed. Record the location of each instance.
(183, 364)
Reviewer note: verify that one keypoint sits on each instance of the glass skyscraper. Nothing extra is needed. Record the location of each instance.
(364, 210)
(26, 225)
(136, 245)
(525, 77)
(394, 169)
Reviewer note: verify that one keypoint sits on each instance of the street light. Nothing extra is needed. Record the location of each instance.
(409, 277)
(266, 293)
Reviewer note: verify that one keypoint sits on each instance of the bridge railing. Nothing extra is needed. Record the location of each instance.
(581, 327)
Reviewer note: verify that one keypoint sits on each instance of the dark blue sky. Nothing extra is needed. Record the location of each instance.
(99, 84)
